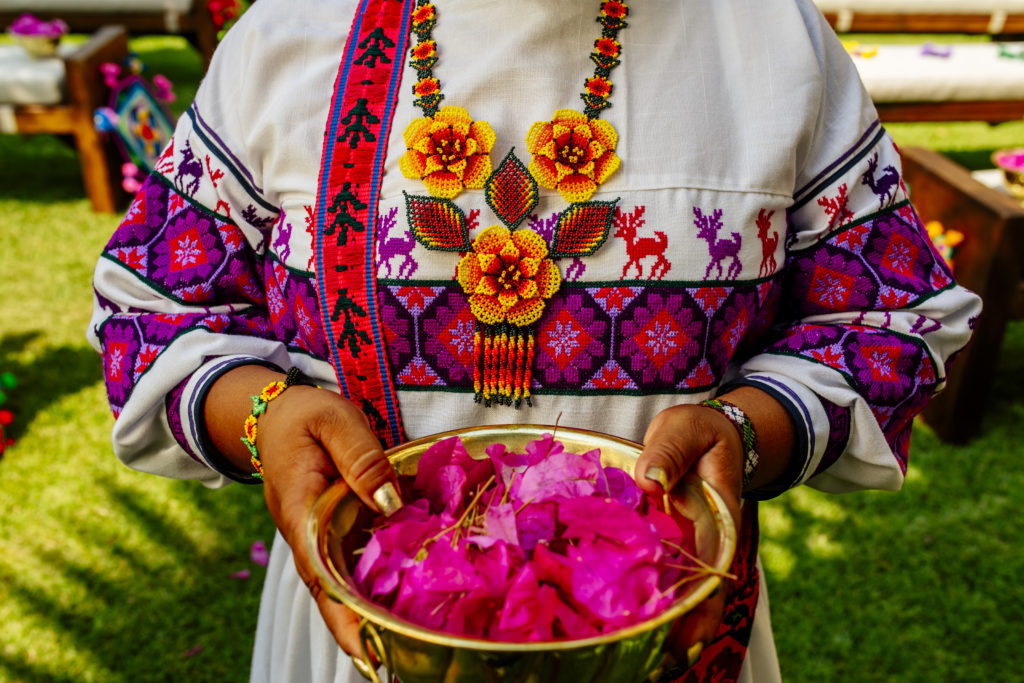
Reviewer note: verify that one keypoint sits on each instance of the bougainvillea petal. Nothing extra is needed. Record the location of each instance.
(538, 545)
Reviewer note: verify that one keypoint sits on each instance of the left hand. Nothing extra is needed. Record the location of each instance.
(698, 438)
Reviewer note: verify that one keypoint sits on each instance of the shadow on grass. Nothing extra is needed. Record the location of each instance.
(52, 374)
(151, 599)
(39, 169)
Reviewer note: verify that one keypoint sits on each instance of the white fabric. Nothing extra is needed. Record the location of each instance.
(96, 6)
(28, 80)
(973, 71)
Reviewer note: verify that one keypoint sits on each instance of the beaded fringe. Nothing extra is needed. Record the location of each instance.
(503, 358)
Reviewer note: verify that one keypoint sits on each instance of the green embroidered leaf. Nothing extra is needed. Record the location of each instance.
(511, 191)
(582, 228)
(437, 223)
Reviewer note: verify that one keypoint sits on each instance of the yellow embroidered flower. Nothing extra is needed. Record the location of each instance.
(572, 153)
(449, 151)
(508, 276)
(272, 391)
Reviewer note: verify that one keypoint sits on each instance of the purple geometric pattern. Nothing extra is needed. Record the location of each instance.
(131, 342)
(882, 264)
(172, 406)
(591, 339)
(183, 250)
(203, 259)
(839, 420)
(893, 372)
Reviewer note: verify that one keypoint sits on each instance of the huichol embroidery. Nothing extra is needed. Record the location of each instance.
(507, 271)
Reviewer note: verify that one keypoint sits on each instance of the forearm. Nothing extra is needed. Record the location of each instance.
(775, 432)
(228, 404)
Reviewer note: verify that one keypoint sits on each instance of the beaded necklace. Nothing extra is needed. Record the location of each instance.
(508, 271)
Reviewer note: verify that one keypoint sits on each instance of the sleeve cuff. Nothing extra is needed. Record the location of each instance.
(192, 413)
(810, 429)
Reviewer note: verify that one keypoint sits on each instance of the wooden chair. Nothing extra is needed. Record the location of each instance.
(85, 92)
(990, 262)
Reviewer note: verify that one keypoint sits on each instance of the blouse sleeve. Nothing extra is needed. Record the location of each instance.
(181, 289)
(871, 315)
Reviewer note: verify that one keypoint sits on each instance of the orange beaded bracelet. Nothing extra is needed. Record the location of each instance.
(259, 406)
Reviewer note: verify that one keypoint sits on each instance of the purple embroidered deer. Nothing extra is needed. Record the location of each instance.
(545, 227)
(626, 226)
(718, 249)
(283, 241)
(191, 167)
(390, 247)
(884, 186)
(768, 244)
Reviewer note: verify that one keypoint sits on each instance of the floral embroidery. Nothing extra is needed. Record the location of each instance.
(508, 276)
(572, 153)
(449, 151)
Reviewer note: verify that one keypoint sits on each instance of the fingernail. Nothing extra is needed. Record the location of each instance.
(693, 654)
(387, 499)
(657, 474)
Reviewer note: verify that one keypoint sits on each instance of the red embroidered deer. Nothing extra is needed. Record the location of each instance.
(883, 187)
(718, 249)
(638, 249)
(768, 244)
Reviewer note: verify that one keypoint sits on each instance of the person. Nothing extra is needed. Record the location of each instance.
(458, 213)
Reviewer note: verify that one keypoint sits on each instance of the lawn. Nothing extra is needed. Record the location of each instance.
(110, 575)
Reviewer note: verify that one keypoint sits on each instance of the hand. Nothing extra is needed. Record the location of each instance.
(306, 439)
(680, 439)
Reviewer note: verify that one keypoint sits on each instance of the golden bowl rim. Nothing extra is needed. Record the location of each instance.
(337, 589)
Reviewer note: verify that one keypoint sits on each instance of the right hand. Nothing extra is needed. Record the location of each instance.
(306, 439)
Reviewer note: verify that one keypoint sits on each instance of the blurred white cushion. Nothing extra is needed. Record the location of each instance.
(973, 71)
(96, 6)
(27, 80)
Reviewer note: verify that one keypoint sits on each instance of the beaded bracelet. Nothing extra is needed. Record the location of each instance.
(259, 406)
(745, 427)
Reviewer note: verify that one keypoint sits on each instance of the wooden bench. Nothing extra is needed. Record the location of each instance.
(188, 18)
(934, 81)
(990, 262)
(64, 104)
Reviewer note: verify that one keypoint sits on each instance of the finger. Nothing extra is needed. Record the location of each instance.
(356, 452)
(342, 622)
(697, 628)
(674, 440)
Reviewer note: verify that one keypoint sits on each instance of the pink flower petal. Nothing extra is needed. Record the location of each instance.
(258, 553)
(240, 574)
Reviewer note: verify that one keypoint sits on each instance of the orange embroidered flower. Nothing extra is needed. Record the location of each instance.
(572, 153)
(609, 47)
(449, 151)
(426, 86)
(508, 276)
(611, 8)
(424, 50)
(597, 85)
(423, 14)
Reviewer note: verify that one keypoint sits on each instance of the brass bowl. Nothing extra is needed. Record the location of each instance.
(416, 654)
(1011, 162)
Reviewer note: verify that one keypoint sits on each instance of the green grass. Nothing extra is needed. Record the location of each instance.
(111, 575)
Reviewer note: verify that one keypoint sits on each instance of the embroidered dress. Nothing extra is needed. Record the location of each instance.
(762, 234)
